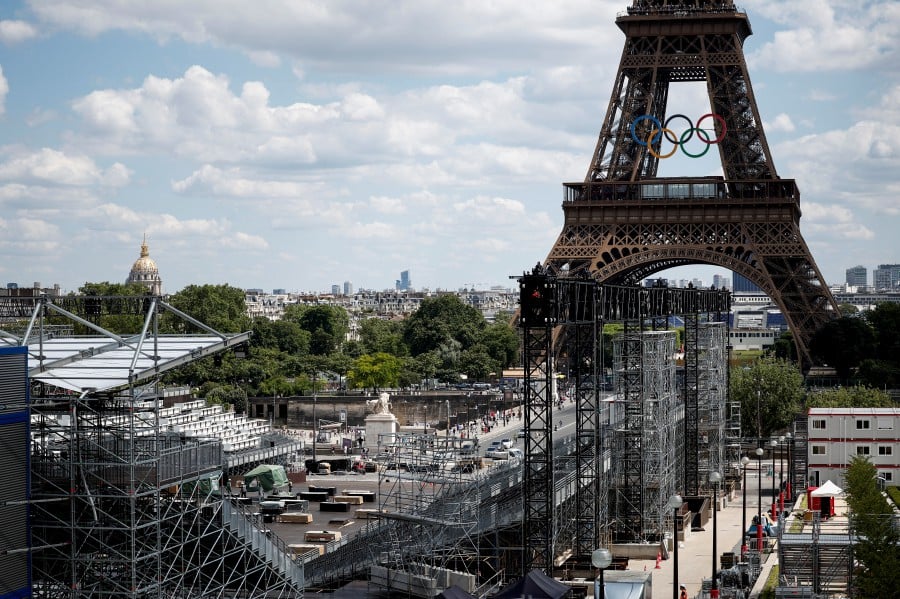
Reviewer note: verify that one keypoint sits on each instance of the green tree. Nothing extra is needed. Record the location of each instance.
(477, 363)
(448, 355)
(410, 372)
(877, 544)
(879, 373)
(784, 347)
(848, 309)
(226, 395)
(283, 335)
(375, 371)
(842, 343)
(771, 393)
(110, 320)
(379, 335)
(885, 321)
(327, 325)
(428, 364)
(501, 342)
(849, 397)
(440, 320)
(220, 307)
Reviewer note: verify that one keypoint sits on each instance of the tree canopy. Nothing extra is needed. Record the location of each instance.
(877, 544)
(849, 397)
(220, 307)
(771, 393)
(440, 320)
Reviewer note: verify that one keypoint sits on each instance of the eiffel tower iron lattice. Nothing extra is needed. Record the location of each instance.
(623, 223)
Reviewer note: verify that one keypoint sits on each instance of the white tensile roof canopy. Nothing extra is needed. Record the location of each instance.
(829, 489)
(106, 361)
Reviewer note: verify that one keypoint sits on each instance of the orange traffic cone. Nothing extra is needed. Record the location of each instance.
(658, 560)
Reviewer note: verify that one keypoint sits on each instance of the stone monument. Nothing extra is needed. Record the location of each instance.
(380, 423)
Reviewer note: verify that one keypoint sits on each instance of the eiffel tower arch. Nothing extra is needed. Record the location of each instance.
(624, 223)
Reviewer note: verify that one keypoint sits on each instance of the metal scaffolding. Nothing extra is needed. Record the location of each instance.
(712, 391)
(427, 496)
(644, 475)
(122, 506)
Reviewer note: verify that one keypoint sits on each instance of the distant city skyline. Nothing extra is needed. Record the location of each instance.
(299, 148)
(706, 275)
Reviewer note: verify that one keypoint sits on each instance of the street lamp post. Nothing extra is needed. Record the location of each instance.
(601, 559)
(790, 470)
(714, 478)
(781, 474)
(744, 461)
(774, 444)
(675, 503)
(315, 428)
(759, 454)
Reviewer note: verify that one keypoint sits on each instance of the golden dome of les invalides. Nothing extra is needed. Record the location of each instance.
(145, 272)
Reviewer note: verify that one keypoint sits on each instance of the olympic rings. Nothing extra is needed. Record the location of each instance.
(660, 130)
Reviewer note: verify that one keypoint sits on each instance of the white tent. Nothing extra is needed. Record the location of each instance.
(829, 489)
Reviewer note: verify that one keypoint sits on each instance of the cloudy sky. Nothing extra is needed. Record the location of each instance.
(302, 143)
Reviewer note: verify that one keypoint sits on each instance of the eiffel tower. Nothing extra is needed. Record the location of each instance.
(623, 223)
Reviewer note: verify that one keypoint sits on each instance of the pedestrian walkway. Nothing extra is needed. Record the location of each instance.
(695, 553)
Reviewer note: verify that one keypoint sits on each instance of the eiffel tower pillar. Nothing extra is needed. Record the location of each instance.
(623, 223)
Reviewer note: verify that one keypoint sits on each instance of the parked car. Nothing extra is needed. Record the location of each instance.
(497, 453)
(506, 443)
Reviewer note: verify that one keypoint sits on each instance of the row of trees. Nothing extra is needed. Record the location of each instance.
(444, 340)
(863, 347)
(877, 545)
(772, 391)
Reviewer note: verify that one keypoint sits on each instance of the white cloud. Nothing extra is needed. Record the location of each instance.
(28, 237)
(782, 122)
(4, 89)
(212, 233)
(421, 36)
(829, 35)
(232, 183)
(386, 205)
(14, 32)
(49, 166)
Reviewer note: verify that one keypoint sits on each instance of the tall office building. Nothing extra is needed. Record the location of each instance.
(744, 285)
(857, 276)
(335, 290)
(403, 283)
(348, 288)
(886, 277)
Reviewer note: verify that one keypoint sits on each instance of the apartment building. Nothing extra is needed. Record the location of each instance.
(838, 434)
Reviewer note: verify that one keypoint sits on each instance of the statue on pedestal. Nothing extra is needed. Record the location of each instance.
(382, 405)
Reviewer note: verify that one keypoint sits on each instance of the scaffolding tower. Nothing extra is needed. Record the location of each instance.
(426, 495)
(120, 506)
(645, 438)
(712, 390)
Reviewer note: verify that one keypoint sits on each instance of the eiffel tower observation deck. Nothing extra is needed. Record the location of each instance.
(624, 223)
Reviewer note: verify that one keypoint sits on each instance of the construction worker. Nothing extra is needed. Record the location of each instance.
(683, 594)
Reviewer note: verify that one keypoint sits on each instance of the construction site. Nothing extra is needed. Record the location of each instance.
(123, 493)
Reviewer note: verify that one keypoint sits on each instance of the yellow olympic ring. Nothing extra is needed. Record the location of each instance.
(650, 143)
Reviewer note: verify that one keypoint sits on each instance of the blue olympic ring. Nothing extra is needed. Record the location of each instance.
(662, 129)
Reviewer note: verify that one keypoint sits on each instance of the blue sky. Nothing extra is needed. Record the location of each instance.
(303, 143)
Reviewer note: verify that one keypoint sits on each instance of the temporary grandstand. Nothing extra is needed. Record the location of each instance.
(125, 490)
